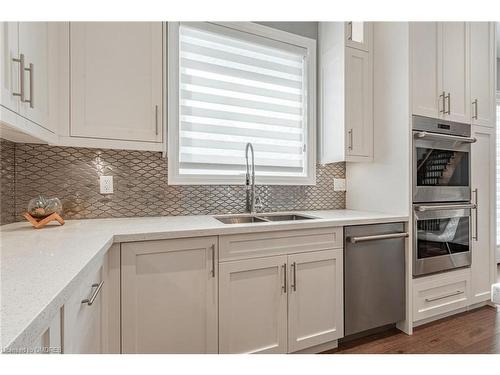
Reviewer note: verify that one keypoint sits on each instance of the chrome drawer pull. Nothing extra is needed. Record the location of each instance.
(90, 301)
(432, 299)
(294, 274)
(378, 237)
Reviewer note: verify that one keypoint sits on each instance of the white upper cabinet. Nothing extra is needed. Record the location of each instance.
(9, 69)
(482, 73)
(169, 296)
(116, 80)
(358, 105)
(455, 66)
(453, 71)
(34, 42)
(345, 92)
(426, 76)
(358, 35)
(29, 78)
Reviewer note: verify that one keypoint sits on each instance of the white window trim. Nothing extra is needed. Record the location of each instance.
(173, 108)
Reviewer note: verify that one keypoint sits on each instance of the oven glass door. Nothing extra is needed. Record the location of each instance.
(441, 171)
(442, 239)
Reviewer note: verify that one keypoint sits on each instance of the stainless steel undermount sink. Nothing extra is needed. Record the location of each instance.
(258, 218)
(286, 217)
(240, 219)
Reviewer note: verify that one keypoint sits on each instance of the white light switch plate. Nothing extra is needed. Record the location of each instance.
(106, 184)
(339, 184)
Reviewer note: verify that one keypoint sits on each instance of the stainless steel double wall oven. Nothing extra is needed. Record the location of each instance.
(442, 207)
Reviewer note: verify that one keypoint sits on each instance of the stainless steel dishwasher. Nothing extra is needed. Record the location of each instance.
(374, 276)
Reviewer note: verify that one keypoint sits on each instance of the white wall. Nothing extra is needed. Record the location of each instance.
(307, 29)
(384, 184)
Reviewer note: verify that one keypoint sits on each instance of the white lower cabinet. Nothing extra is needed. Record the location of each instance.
(281, 304)
(483, 270)
(315, 300)
(49, 342)
(169, 296)
(253, 306)
(440, 294)
(83, 316)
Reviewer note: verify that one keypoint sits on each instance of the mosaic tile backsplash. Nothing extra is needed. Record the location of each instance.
(140, 185)
(7, 182)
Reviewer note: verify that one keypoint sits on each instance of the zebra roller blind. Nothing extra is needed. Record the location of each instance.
(236, 87)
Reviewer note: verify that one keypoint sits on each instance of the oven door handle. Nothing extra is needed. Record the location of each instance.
(444, 207)
(445, 137)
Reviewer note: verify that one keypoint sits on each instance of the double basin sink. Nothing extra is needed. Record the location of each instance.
(261, 218)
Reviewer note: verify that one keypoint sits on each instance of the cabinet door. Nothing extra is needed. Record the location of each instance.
(169, 296)
(315, 300)
(34, 43)
(482, 73)
(359, 104)
(455, 42)
(9, 69)
(253, 306)
(359, 35)
(484, 241)
(116, 80)
(83, 322)
(426, 69)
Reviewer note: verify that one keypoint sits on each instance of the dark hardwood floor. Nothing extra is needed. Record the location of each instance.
(476, 331)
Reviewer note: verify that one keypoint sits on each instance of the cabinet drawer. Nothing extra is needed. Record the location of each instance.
(253, 245)
(438, 294)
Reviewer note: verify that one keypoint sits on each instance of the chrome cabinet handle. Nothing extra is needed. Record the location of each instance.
(377, 237)
(350, 139)
(475, 109)
(156, 119)
(90, 301)
(32, 74)
(349, 36)
(294, 274)
(443, 95)
(20, 60)
(283, 268)
(449, 103)
(212, 272)
(444, 296)
(476, 215)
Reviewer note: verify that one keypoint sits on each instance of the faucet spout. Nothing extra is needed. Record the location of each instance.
(250, 180)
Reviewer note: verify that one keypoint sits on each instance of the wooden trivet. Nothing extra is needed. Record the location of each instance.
(40, 223)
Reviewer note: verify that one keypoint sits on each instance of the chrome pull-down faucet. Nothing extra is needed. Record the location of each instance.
(251, 197)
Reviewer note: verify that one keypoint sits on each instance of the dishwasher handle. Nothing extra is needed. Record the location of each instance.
(377, 237)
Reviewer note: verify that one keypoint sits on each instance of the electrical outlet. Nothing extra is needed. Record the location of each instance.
(106, 184)
(339, 184)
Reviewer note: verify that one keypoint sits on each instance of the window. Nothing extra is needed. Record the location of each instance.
(234, 83)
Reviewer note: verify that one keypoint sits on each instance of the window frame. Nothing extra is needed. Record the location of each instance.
(174, 178)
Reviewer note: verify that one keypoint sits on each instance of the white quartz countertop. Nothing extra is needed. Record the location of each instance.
(40, 268)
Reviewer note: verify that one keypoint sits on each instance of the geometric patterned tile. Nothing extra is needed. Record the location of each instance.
(140, 185)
